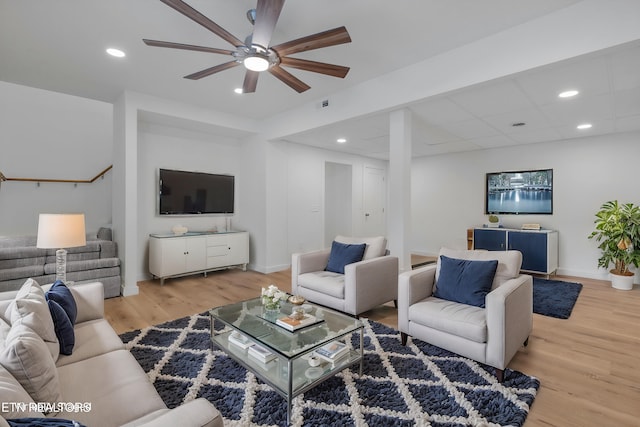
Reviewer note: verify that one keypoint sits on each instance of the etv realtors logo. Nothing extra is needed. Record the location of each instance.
(45, 407)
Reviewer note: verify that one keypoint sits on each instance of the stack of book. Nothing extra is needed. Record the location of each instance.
(293, 324)
(333, 352)
(240, 341)
(261, 354)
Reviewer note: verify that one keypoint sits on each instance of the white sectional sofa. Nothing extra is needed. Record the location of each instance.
(100, 384)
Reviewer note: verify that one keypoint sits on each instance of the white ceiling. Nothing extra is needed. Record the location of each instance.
(59, 46)
(483, 116)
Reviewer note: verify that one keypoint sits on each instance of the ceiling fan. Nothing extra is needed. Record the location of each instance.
(256, 53)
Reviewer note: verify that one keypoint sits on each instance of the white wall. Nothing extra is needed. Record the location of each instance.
(173, 148)
(49, 135)
(448, 193)
(306, 190)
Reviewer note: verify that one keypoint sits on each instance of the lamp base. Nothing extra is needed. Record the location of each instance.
(61, 265)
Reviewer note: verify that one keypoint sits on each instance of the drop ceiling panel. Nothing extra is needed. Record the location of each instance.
(579, 110)
(625, 69)
(535, 136)
(441, 110)
(492, 141)
(627, 103)
(628, 124)
(430, 134)
(491, 99)
(590, 76)
(531, 117)
(600, 127)
(470, 129)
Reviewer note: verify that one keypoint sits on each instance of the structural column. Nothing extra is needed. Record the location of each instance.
(125, 190)
(399, 218)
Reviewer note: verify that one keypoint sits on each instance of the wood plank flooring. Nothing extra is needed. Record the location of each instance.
(587, 364)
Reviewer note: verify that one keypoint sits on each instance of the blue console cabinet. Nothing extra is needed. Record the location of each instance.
(539, 248)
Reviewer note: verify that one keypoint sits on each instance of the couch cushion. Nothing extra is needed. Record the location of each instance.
(60, 293)
(13, 394)
(26, 356)
(465, 281)
(116, 386)
(88, 265)
(326, 282)
(451, 317)
(20, 252)
(376, 246)
(343, 254)
(93, 338)
(509, 262)
(21, 272)
(63, 327)
(29, 307)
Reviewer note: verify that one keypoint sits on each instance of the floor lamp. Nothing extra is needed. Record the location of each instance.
(59, 231)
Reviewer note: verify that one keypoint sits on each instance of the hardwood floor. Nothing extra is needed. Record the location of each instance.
(587, 364)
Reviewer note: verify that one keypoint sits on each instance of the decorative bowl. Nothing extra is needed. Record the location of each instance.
(179, 230)
(296, 299)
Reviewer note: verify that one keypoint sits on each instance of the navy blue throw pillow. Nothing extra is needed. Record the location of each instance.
(43, 422)
(63, 327)
(343, 254)
(60, 293)
(465, 281)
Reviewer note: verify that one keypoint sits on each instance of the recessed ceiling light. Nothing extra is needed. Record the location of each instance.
(568, 93)
(116, 52)
(341, 140)
(238, 90)
(584, 126)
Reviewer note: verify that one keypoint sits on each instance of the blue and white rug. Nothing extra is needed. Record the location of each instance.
(414, 385)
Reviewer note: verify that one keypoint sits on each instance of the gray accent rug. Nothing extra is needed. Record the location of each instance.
(414, 385)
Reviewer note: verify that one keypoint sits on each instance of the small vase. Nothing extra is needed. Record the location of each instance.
(272, 310)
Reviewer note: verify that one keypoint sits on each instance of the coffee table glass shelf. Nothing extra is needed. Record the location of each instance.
(290, 372)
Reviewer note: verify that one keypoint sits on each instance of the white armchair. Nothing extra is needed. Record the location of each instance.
(491, 335)
(364, 285)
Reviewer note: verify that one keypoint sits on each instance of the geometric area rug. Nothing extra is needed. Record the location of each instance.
(413, 385)
(554, 298)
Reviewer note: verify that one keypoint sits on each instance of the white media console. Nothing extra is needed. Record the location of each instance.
(173, 255)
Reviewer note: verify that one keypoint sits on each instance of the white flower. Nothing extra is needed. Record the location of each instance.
(272, 294)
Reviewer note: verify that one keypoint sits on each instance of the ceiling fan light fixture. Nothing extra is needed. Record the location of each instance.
(256, 62)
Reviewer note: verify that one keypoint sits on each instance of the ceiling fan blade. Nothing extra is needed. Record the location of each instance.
(289, 79)
(267, 14)
(193, 14)
(158, 43)
(212, 70)
(314, 41)
(250, 81)
(316, 67)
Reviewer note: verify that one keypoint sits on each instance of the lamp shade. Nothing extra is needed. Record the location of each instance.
(56, 231)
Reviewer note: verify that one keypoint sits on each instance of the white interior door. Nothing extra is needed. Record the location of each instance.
(374, 200)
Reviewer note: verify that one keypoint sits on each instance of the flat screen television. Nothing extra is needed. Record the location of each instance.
(195, 193)
(528, 192)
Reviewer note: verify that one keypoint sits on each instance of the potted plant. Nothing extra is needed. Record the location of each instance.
(617, 230)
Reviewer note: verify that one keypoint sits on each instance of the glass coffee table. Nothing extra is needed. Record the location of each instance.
(292, 367)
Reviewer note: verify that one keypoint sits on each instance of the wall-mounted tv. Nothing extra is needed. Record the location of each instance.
(528, 192)
(194, 193)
